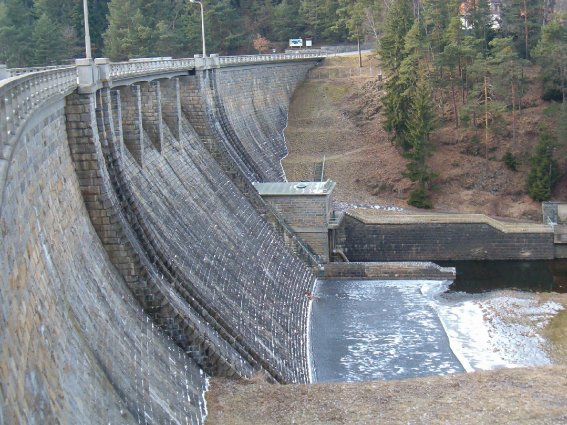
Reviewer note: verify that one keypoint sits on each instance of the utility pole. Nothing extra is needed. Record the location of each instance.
(88, 53)
(202, 25)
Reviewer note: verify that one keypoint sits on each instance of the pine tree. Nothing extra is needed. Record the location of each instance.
(422, 122)
(98, 21)
(551, 54)
(437, 16)
(320, 17)
(287, 23)
(224, 27)
(392, 51)
(126, 36)
(522, 20)
(543, 172)
(507, 71)
(479, 19)
(16, 27)
(48, 42)
(391, 47)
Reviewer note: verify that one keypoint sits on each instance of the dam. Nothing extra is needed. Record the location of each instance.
(138, 258)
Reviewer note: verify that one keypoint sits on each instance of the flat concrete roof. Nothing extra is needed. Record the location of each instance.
(295, 188)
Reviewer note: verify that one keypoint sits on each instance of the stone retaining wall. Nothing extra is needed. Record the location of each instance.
(376, 236)
(388, 271)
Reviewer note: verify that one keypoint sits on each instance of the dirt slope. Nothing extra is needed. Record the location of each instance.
(511, 396)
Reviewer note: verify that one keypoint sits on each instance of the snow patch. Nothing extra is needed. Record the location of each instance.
(496, 330)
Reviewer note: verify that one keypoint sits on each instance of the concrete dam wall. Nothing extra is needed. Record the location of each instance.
(135, 257)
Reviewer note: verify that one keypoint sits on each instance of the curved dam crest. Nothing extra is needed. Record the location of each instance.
(135, 258)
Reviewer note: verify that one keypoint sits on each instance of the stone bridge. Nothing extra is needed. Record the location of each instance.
(137, 258)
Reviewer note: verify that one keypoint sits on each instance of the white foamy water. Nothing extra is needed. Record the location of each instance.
(495, 330)
(364, 330)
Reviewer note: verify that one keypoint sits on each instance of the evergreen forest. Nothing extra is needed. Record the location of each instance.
(47, 32)
(465, 62)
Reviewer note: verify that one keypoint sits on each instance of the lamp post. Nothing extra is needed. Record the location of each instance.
(202, 25)
(88, 53)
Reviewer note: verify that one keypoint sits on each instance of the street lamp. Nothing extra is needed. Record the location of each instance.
(202, 25)
(88, 53)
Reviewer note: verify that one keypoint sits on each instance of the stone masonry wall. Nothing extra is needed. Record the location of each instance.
(202, 107)
(76, 346)
(254, 112)
(131, 266)
(129, 247)
(438, 241)
(132, 127)
(222, 252)
(308, 216)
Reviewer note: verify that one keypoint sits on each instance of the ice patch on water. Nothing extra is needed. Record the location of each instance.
(379, 330)
(496, 330)
(343, 206)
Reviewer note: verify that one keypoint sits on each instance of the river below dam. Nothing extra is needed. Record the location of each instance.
(382, 330)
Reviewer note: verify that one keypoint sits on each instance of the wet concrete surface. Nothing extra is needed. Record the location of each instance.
(378, 330)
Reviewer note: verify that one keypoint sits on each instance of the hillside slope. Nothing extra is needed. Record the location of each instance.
(336, 114)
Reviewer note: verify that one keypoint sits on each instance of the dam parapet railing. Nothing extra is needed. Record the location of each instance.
(20, 97)
(24, 91)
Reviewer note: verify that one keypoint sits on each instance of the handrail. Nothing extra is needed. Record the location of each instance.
(274, 57)
(137, 67)
(20, 97)
(119, 70)
(14, 72)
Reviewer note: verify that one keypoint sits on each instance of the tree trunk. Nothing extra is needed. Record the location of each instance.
(359, 52)
(513, 113)
(455, 110)
(486, 116)
(526, 29)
